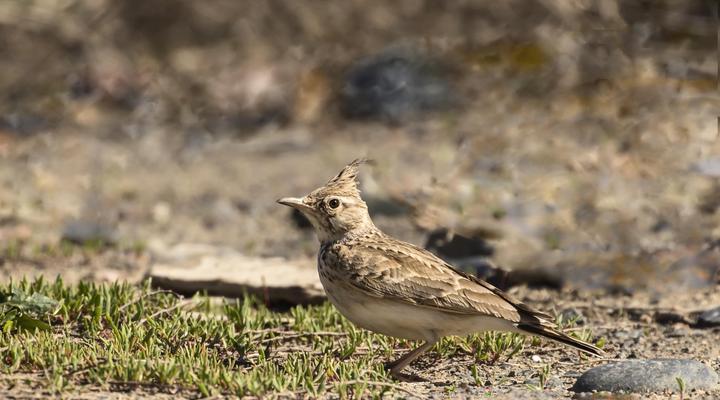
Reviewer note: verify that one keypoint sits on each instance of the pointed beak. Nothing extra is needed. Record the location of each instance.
(294, 202)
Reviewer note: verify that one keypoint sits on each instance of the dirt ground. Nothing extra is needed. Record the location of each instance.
(634, 326)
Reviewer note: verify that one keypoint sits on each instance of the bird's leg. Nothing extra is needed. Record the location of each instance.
(402, 362)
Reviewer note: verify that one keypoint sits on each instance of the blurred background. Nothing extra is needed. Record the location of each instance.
(572, 142)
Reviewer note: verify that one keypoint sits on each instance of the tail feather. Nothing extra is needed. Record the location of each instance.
(560, 337)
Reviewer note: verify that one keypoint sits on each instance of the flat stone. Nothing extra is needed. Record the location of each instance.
(189, 268)
(642, 376)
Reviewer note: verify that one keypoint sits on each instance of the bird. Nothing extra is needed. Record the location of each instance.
(397, 289)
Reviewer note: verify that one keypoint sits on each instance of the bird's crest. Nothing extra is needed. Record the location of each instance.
(346, 182)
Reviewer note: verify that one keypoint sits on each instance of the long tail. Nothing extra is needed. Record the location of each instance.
(553, 334)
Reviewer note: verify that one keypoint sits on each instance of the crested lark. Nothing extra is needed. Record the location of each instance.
(391, 287)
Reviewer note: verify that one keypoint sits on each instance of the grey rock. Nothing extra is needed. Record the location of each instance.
(573, 314)
(709, 318)
(23, 124)
(82, 231)
(394, 84)
(642, 376)
(629, 335)
(708, 167)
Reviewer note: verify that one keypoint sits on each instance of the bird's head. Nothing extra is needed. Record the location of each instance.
(336, 208)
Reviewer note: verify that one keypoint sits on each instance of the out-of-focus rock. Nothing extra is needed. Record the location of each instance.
(471, 254)
(710, 200)
(190, 268)
(23, 124)
(452, 245)
(573, 314)
(535, 278)
(465, 253)
(395, 84)
(483, 268)
(85, 230)
(708, 167)
(385, 206)
(709, 318)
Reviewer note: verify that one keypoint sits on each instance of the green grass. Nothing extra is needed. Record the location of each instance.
(120, 335)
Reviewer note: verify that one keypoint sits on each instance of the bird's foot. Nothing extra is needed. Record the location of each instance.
(404, 377)
(400, 376)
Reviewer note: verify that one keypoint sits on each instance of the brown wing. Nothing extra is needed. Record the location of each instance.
(403, 272)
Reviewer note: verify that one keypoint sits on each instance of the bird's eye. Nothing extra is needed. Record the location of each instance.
(334, 203)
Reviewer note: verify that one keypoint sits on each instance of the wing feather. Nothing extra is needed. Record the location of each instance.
(402, 272)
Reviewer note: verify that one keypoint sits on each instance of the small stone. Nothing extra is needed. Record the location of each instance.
(629, 335)
(573, 314)
(642, 376)
(680, 332)
(23, 124)
(83, 231)
(536, 358)
(709, 318)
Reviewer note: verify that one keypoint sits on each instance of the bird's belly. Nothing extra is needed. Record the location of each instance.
(403, 320)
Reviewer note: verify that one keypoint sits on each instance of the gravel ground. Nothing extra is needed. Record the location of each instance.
(629, 325)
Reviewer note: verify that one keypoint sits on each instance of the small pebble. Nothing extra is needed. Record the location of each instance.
(83, 231)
